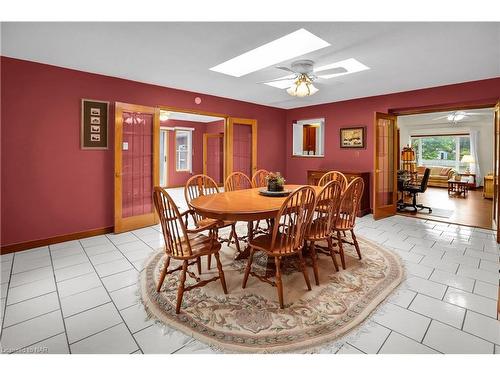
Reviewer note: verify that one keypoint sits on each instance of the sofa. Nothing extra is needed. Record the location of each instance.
(439, 175)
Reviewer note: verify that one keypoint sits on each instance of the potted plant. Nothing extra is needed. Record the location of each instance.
(275, 182)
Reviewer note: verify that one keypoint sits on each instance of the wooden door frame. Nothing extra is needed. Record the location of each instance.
(205, 152)
(122, 225)
(204, 113)
(376, 170)
(167, 138)
(230, 143)
(496, 162)
(462, 107)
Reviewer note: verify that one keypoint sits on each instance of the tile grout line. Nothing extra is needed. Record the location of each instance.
(383, 343)
(6, 296)
(114, 304)
(59, 300)
(100, 331)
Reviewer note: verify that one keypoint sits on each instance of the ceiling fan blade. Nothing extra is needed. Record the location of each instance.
(285, 69)
(338, 70)
(291, 79)
(440, 118)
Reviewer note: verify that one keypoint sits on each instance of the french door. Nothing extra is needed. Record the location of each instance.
(496, 173)
(137, 143)
(386, 158)
(213, 156)
(241, 146)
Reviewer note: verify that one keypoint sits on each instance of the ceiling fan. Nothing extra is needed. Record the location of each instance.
(457, 116)
(300, 82)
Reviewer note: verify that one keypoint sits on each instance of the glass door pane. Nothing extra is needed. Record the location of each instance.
(163, 157)
(242, 149)
(242, 146)
(214, 157)
(385, 166)
(136, 165)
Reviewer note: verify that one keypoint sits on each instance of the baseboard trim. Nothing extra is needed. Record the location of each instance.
(53, 240)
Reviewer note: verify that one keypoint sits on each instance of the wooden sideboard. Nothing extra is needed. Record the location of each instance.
(313, 177)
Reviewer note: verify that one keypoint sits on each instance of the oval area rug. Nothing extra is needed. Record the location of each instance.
(250, 320)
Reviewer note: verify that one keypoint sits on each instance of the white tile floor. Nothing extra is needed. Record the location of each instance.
(80, 296)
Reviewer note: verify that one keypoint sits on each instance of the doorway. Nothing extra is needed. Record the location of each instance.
(456, 143)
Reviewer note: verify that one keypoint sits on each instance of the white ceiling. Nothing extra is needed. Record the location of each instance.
(402, 56)
(435, 118)
(192, 117)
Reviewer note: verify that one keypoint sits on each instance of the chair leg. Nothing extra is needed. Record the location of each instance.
(332, 253)
(279, 283)
(304, 270)
(180, 291)
(198, 265)
(221, 273)
(209, 261)
(341, 249)
(163, 274)
(248, 268)
(314, 259)
(356, 245)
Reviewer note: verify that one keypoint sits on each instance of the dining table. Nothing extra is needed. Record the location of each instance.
(247, 205)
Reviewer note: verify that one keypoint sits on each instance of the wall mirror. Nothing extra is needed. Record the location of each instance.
(309, 138)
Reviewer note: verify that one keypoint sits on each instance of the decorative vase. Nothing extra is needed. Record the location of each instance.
(274, 186)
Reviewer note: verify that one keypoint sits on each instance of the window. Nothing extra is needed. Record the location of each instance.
(442, 150)
(183, 151)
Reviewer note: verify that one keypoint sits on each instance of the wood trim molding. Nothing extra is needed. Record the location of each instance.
(441, 108)
(193, 111)
(53, 240)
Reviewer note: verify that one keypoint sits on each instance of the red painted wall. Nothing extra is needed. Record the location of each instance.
(358, 112)
(49, 185)
(175, 178)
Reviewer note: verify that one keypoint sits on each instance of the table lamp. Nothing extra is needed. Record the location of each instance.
(468, 159)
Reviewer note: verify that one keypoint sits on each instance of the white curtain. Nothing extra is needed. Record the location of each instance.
(474, 151)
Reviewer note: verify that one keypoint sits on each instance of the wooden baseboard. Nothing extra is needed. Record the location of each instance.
(53, 240)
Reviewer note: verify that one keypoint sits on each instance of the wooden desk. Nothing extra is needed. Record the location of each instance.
(313, 177)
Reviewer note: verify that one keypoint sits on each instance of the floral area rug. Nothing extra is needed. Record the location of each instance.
(250, 320)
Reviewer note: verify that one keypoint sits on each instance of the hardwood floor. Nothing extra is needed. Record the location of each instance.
(473, 210)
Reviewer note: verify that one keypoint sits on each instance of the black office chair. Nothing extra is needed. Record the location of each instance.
(414, 190)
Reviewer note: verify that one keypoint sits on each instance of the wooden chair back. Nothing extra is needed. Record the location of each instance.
(172, 225)
(198, 186)
(334, 176)
(259, 178)
(237, 181)
(350, 203)
(292, 221)
(326, 209)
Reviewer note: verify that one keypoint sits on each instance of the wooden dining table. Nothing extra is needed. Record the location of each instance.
(246, 205)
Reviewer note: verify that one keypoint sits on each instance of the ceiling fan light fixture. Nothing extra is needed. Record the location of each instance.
(302, 87)
(456, 116)
(164, 115)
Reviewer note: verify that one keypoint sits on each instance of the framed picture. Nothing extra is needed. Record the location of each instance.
(353, 137)
(94, 125)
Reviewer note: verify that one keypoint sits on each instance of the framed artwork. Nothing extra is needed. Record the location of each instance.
(353, 137)
(94, 125)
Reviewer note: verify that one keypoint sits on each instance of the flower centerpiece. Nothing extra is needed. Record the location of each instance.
(275, 181)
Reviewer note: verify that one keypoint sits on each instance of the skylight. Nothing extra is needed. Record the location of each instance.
(295, 44)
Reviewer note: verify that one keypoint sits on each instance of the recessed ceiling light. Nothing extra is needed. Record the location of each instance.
(351, 65)
(291, 45)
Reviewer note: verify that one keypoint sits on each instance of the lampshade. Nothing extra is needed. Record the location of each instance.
(302, 87)
(467, 159)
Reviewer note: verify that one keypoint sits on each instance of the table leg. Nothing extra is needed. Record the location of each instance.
(245, 253)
